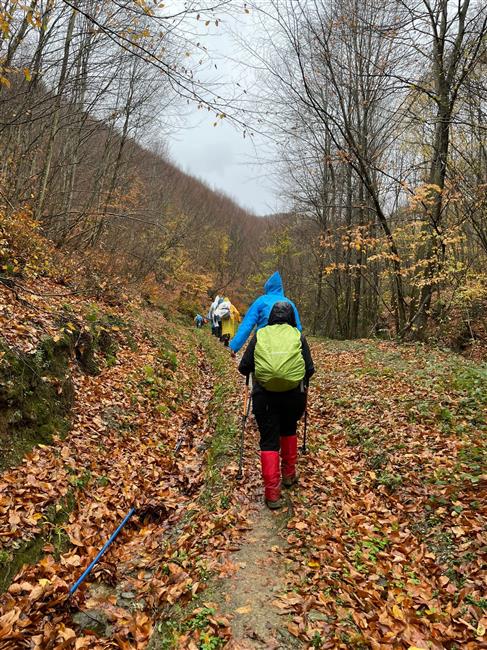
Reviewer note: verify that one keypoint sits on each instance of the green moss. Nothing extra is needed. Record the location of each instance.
(36, 395)
(167, 354)
(32, 550)
(28, 553)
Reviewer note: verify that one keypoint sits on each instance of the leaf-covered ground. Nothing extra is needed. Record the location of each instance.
(147, 430)
(381, 546)
(389, 528)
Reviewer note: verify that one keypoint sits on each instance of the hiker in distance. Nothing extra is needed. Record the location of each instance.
(199, 321)
(258, 313)
(230, 318)
(213, 318)
(278, 355)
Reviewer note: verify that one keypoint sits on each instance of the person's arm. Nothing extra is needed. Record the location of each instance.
(308, 360)
(245, 327)
(247, 365)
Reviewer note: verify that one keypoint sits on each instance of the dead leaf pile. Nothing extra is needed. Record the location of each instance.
(127, 424)
(388, 534)
(386, 541)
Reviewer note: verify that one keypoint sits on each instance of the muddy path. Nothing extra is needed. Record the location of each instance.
(260, 575)
(258, 572)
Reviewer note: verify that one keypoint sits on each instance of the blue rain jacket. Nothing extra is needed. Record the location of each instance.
(258, 313)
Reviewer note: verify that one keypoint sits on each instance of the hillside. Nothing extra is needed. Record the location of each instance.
(113, 198)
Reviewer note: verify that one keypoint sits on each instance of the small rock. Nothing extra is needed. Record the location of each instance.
(95, 621)
(315, 615)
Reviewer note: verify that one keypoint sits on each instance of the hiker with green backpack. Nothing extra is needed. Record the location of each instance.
(279, 358)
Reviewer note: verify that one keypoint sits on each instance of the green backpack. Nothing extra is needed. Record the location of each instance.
(279, 363)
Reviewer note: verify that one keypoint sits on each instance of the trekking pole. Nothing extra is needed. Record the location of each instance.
(245, 414)
(105, 547)
(304, 449)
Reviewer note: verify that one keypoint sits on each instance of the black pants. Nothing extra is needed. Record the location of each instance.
(277, 415)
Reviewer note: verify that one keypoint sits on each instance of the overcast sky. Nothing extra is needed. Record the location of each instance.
(220, 155)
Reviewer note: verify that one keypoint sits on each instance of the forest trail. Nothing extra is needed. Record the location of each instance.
(381, 545)
(387, 522)
(257, 572)
(258, 579)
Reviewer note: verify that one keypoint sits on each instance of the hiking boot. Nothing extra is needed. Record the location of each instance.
(289, 481)
(271, 476)
(289, 455)
(274, 505)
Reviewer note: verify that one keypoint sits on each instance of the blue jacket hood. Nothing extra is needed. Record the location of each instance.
(258, 313)
(274, 285)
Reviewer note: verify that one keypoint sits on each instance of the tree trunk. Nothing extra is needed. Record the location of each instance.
(56, 116)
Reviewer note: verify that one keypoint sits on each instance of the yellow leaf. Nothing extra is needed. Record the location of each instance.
(244, 610)
(397, 613)
(293, 628)
(480, 630)
(44, 582)
(458, 530)
(314, 564)
(27, 74)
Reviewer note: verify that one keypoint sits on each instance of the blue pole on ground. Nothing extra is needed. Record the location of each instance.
(87, 571)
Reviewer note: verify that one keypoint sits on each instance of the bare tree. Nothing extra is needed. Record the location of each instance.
(352, 80)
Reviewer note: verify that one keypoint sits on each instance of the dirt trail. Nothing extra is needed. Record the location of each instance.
(258, 570)
(380, 547)
(260, 576)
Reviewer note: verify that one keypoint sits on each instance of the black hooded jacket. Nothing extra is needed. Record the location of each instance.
(282, 312)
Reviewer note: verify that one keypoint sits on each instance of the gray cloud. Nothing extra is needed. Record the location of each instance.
(220, 155)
